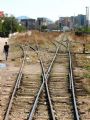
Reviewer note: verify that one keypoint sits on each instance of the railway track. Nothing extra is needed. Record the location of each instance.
(81, 63)
(66, 107)
(81, 71)
(53, 99)
(17, 84)
(23, 94)
(59, 89)
(7, 79)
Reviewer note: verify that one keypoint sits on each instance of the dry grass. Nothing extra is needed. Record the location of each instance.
(86, 84)
(83, 70)
(78, 43)
(80, 38)
(82, 61)
(40, 37)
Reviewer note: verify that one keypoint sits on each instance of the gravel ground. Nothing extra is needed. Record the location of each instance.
(8, 74)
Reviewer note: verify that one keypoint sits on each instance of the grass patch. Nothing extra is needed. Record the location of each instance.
(87, 67)
(89, 110)
(86, 75)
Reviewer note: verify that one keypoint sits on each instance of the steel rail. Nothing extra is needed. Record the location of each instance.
(45, 79)
(79, 42)
(62, 44)
(15, 87)
(72, 87)
(46, 86)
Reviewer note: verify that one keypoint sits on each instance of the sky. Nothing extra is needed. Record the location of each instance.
(52, 9)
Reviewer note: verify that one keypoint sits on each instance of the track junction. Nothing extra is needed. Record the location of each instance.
(50, 94)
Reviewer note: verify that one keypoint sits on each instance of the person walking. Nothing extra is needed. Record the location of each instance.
(6, 50)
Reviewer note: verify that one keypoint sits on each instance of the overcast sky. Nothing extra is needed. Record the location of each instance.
(52, 9)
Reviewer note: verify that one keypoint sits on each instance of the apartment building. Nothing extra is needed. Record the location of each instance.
(73, 21)
(42, 21)
(28, 23)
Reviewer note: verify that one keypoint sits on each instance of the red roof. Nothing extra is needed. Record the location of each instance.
(1, 13)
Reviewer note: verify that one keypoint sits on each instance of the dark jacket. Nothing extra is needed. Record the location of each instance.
(6, 48)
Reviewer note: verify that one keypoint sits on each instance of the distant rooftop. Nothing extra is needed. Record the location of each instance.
(22, 17)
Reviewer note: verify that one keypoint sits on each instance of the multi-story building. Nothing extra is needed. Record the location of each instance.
(28, 23)
(64, 21)
(80, 20)
(42, 22)
(73, 21)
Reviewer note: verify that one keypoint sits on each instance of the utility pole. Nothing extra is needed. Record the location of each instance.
(58, 25)
(87, 17)
(11, 31)
(86, 26)
(74, 22)
(87, 21)
(39, 22)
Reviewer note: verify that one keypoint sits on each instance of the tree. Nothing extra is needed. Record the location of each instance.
(43, 27)
(10, 25)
